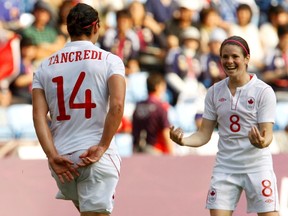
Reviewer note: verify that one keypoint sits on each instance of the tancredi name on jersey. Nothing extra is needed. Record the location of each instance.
(74, 56)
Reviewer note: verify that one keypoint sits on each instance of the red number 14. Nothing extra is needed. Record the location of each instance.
(87, 105)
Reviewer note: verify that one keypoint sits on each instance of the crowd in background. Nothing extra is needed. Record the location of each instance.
(178, 39)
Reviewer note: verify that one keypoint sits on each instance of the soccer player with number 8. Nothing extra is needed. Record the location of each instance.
(243, 108)
(82, 87)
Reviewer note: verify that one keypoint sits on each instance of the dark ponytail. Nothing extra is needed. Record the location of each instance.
(81, 19)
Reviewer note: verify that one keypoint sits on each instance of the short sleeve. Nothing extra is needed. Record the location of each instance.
(210, 110)
(115, 65)
(267, 106)
(36, 80)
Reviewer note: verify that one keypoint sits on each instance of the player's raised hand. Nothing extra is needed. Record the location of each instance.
(63, 167)
(176, 134)
(257, 139)
(92, 155)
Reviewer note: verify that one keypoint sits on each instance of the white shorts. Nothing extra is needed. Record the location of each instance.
(260, 190)
(94, 189)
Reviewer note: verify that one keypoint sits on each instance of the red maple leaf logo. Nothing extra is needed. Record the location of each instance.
(250, 101)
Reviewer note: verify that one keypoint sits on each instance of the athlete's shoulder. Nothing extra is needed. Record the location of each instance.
(218, 85)
(221, 83)
(217, 90)
(114, 59)
(106, 54)
(111, 56)
(262, 89)
(260, 84)
(113, 62)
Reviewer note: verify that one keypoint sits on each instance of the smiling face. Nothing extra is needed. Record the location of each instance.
(233, 60)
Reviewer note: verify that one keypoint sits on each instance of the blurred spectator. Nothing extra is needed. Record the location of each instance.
(122, 40)
(209, 19)
(173, 45)
(150, 124)
(152, 39)
(264, 9)
(265, 6)
(276, 70)
(212, 70)
(63, 11)
(107, 9)
(183, 68)
(16, 14)
(277, 15)
(21, 86)
(7, 143)
(161, 10)
(10, 14)
(46, 37)
(105, 5)
(228, 9)
(136, 89)
(184, 17)
(6, 133)
(5, 96)
(248, 30)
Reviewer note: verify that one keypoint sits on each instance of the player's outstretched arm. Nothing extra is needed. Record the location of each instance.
(199, 138)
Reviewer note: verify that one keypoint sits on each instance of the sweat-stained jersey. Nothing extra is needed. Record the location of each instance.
(75, 83)
(252, 104)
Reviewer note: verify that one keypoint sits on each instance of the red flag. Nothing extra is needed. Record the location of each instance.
(10, 58)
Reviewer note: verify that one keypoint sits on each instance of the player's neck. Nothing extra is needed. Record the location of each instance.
(81, 38)
(235, 82)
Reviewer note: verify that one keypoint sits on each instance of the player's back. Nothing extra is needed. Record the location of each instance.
(75, 83)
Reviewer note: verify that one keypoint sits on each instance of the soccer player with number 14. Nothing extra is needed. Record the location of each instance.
(82, 87)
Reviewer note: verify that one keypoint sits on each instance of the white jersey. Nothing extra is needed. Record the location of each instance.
(252, 104)
(75, 83)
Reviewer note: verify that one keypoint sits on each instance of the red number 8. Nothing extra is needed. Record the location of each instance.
(267, 190)
(235, 126)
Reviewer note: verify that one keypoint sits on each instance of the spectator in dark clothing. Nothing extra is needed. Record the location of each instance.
(161, 10)
(212, 70)
(21, 87)
(150, 124)
(183, 19)
(122, 40)
(276, 67)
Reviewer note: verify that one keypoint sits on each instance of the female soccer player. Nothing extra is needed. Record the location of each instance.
(243, 108)
(83, 89)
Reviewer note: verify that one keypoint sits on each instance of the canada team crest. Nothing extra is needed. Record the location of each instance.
(212, 195)
(250, 103)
